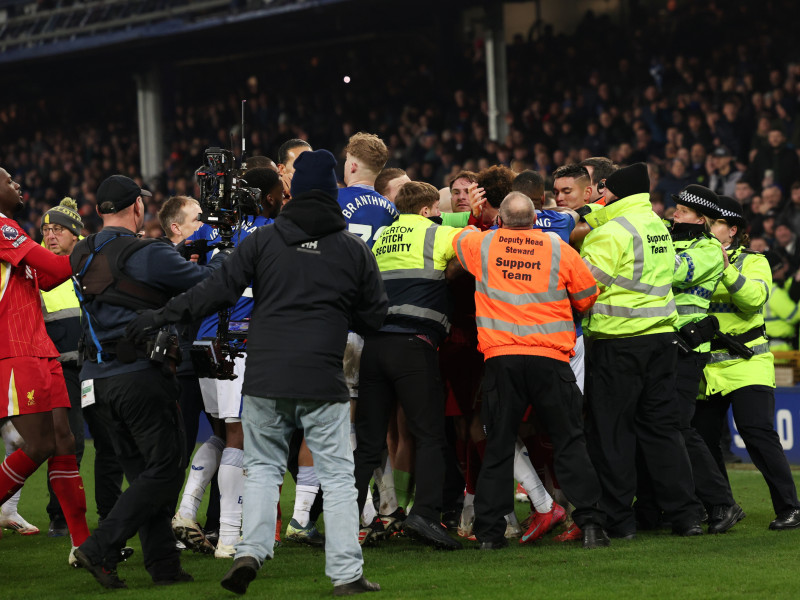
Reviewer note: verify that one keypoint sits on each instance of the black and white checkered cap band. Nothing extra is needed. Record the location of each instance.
(729, 213)
(687, 198)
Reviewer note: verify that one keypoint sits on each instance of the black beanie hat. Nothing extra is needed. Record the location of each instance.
(629, 181)
(66, 215)
(313, 170)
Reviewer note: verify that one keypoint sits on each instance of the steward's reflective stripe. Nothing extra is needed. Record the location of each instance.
(678, 262)
(690, 309)
(738, 284)
(764, 283)
(638, 248)
(412, 274)
(555, 260)
(523, 330)
(427, 248)
(634, 313)
(599, 275)
(485, 245)
(643, 288)
(520, 299)
(723, 356)
(585, 293)
(410, 310)
(460, 238)
(64, 313)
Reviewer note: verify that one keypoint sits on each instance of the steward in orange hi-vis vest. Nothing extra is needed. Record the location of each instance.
(526, 282)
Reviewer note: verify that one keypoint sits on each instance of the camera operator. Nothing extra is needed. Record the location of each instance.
(312, 281)
(117, 274)
(222, 452)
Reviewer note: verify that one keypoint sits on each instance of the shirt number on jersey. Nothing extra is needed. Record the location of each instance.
(365, 231)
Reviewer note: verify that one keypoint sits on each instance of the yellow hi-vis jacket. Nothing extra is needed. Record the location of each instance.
(632, 258)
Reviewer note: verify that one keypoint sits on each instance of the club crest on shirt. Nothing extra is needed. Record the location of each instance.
(9, 232)
(31, 401)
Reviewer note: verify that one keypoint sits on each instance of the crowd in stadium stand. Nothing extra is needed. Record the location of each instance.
(681, 108)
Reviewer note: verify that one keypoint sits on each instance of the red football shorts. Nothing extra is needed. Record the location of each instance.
(31, 385)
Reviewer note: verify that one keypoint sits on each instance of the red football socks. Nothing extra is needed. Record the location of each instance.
(13, 473)
(68, 486)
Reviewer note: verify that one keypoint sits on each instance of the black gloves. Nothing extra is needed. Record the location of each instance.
(143, 326)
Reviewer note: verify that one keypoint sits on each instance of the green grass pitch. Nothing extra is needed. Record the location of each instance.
(748, 562)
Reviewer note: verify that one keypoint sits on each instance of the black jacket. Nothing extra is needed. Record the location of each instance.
(312, 282)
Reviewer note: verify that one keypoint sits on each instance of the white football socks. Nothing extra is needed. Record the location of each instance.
(305, 494)
(526, 475)
(204, 465)
(231, 489)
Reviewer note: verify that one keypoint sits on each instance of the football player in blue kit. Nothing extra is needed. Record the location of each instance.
(364, 209)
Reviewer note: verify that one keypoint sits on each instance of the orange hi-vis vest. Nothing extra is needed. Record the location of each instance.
(526, 283)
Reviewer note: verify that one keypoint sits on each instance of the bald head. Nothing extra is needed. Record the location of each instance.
(517, 211)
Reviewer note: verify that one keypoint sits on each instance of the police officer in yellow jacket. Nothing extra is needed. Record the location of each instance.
(631, 358)
(781, 314)
(740, 373)
(400, 363)
(698, 268)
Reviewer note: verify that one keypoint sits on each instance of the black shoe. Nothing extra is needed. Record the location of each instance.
(450, 519)
(724, 517)
(730, 458)
(594, 537)
(240, 575)
(359, 586)
(496, 545)
(125, 553)
(690, 530)
(429, 532)
(788, 519)
(58, 528)
(212, 535)
(180, 577)
(108, 578)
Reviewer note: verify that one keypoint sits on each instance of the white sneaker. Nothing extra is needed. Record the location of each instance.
(224, 551)
(15, 522)
(190, 533)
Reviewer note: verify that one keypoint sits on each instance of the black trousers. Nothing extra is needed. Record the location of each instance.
(754, 413)
(107, 468)
(630, 387)
(510, 384)
(149, 439)
(400, 367)
(711, 487)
